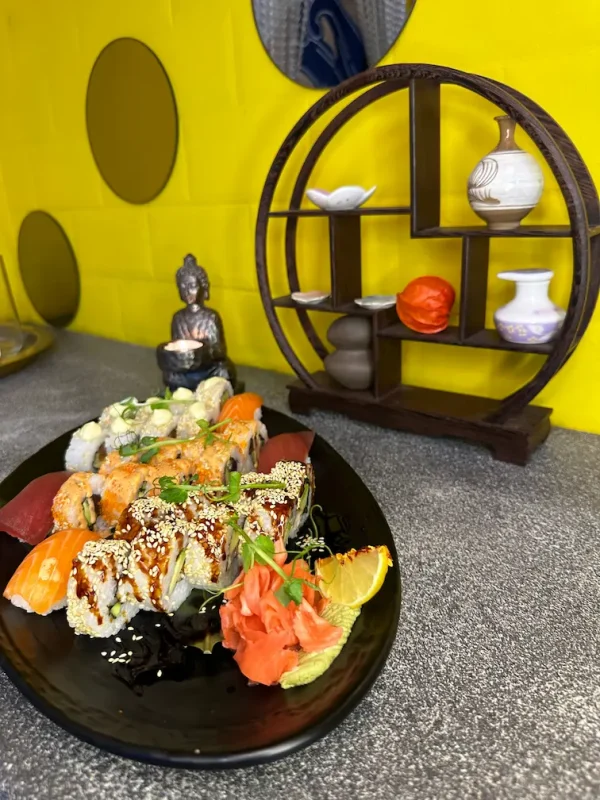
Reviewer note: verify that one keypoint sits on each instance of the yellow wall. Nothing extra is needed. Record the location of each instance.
(235, 108)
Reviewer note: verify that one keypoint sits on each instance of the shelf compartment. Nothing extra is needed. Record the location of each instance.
(487, 339)
(523, 231)
(370, 211)
(325, 305)
(431, 412)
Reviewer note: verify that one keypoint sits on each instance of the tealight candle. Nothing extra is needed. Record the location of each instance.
(183, 346)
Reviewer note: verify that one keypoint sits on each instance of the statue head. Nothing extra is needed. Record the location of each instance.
(192, 282)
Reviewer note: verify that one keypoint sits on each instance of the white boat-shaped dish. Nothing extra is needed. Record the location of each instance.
(345, 198)
(309, 298)
(376, 301)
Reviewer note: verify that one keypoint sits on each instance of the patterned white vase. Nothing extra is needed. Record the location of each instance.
(530, 317)
(507, 184)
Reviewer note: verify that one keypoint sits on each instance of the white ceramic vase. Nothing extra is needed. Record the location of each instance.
(530, 317)
(507, 184)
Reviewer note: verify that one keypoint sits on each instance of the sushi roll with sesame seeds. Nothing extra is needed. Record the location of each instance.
(155, 576)
(93, 606)
(211, 560)
(76, 502)
(145, 513)
(280, 512)
(299, 479)
(122, 486)
(249, 436)
(214, 393)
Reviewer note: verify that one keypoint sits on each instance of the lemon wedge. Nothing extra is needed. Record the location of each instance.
(353, 578)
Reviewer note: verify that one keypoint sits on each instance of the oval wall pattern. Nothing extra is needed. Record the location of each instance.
(48, 268)
(131, 116)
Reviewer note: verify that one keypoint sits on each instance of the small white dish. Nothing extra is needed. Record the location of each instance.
(345, 198)
(376, 301)
(309, 298)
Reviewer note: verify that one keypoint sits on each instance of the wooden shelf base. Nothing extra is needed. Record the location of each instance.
(432, 413)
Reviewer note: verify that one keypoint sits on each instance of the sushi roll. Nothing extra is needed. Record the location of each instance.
(249, 436)
(184, 397)
(86, 450)
(299, 479)
(181, 469)
(160, 423)
(39, 585)
(125, 484)
(154, 576)
(214, 393)
(193, 451)
(120, 432)
(218, 461)
(145, 513)
(93, 605)
(76, 502)
(187, 423)
(279, 513)
(211, 559)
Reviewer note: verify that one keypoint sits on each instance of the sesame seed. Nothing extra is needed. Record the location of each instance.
(113, 653)
(118, 639)
(159, 673)
(103, 654)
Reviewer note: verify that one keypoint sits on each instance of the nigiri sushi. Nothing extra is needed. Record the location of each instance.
(28, 516)
(242, 406)
(39, 584)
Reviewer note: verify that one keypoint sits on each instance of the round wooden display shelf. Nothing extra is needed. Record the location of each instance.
(510, 427)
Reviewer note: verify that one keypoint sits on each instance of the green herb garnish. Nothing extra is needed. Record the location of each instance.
(149, 446)
(173, 492)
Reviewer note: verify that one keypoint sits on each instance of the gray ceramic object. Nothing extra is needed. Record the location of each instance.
(351, 364)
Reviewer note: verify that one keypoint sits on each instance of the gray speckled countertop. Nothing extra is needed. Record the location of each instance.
(492, 689)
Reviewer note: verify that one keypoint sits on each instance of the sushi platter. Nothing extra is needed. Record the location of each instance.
(194, 580)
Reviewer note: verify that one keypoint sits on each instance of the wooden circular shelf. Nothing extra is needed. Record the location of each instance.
(510, 427)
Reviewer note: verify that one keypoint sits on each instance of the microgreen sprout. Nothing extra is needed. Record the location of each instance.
(147, 447)
(173, 492)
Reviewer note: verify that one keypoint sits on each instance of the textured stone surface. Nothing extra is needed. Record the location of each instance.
(491, 690)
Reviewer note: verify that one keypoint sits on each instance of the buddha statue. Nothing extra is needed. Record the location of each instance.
(198, 323)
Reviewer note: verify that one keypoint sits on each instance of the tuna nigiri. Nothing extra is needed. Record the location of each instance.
(28, 516)
(40, 583)
(242, 406)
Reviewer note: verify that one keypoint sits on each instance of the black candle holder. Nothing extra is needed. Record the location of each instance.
(182, 364)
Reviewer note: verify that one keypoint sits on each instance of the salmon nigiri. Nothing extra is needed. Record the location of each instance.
(242, 406)
(40, 583)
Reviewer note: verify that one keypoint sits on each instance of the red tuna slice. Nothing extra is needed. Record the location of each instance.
(285, 447)
(28, 516)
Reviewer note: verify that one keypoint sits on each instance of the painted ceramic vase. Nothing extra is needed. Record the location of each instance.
(531, 317)
(351, 364)
(507, 184)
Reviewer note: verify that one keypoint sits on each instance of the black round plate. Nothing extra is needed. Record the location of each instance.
(205, 715)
